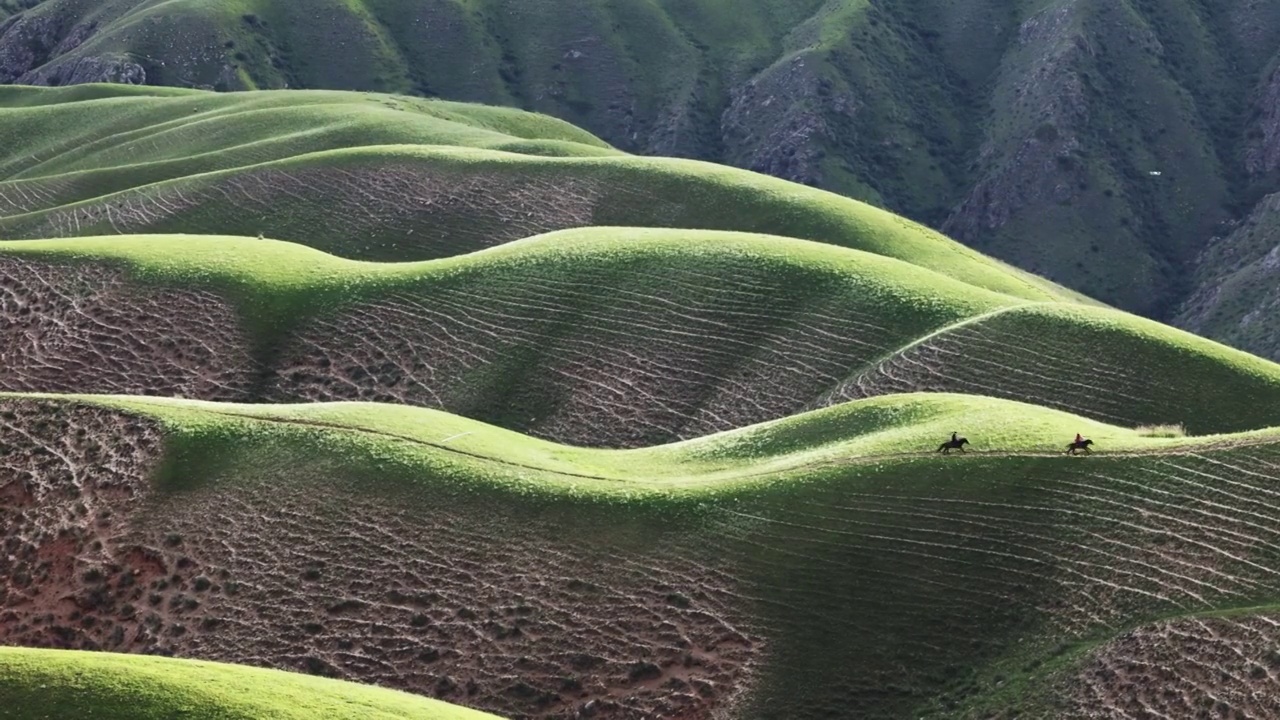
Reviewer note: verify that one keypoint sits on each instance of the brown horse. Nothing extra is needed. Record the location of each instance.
(957, 444)
(1082, 445)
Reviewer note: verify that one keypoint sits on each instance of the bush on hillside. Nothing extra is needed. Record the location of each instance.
(1162, 431)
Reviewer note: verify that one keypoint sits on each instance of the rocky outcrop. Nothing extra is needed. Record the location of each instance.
(26, 43)
(1237, 294)
(1263, 152)
(107, 69)
(1042, 170)
(39, 49)
(775, 122)
(1034, 162)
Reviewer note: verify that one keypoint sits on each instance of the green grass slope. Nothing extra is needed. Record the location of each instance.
(615, 337)
(54, 683)
(1027, 129)
(102, 127)
(824, 564)
(861, 432)
(380, 177)
(1098, 362)
(84, 141)
(631, 485)
(596, 336)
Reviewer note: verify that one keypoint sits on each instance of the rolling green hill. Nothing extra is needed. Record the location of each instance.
(1097, 143)
(598, 337)
(52, 683)
(1101, 363)
(316, 168)
(828, 563)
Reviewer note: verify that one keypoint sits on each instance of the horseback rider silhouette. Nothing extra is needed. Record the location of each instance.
(1080, 443)
(955, 443)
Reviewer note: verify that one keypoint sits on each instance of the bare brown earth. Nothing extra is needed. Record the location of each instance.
(382, 210)
(87, 328)
(70, 474)
(1210, 667)
(549, 355)
(506, 615)
(840, 596)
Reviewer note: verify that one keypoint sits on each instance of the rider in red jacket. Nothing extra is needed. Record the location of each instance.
(1078, 438)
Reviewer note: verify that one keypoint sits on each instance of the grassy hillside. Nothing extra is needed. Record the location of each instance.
(1098, 144)
(103, 139)
(1158, 669)
(828, 563)
(316, 168)
(1101, 363)
(614, 337)
(51, 683)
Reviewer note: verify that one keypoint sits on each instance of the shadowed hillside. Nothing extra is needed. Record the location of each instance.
(1238, 286)
(609, 337)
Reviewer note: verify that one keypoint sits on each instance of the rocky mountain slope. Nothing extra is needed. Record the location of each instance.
(1099, 143)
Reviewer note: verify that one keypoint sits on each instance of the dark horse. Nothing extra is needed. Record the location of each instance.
(1082, 445)
(957, 444)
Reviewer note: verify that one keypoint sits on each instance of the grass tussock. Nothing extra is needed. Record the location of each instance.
(1166, 430)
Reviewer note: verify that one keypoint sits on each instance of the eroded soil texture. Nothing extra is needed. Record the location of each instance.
(88, 328)
(1196, 667)
(446, 599)
(862, 591)
(595, 358)
(386, 211)
(591, 357)
(587, 352)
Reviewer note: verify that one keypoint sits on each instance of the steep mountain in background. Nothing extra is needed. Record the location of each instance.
(1237, 297)
(1101, 143)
